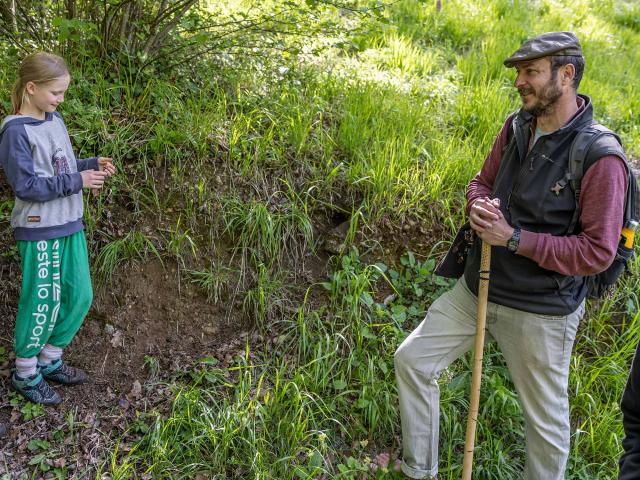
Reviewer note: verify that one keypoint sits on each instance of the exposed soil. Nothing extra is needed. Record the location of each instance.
(148, 325)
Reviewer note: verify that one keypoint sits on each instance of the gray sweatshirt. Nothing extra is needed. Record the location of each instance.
(40, 166)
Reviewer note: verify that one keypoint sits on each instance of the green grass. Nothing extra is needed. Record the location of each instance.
(394, 127)
(133, 246)
(213, 281)
(267, 232)
(253, 163)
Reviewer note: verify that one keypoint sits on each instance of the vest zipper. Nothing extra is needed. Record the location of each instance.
(521, 174)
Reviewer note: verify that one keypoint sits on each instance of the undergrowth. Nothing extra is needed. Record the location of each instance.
(260, 158)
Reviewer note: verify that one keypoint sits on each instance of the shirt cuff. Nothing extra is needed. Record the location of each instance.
(90, 163)
(77, 182)
(528, 243)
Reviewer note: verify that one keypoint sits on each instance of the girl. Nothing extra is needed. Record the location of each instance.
(39, 164)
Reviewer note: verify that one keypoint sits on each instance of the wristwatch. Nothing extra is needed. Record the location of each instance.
(514, 241)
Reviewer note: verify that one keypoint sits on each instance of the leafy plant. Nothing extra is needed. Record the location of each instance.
(416, 287)
(31, 410)
(179, 242)
(267, 232)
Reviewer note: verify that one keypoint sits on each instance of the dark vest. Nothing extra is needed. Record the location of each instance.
(523, 185)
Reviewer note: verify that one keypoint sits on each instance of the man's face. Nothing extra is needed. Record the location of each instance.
(538, 87)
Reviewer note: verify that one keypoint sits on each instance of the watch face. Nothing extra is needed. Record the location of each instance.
(514, 241)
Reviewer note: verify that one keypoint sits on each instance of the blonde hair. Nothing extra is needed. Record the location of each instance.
(39, 68)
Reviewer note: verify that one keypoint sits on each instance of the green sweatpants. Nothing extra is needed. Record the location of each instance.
(56, 293)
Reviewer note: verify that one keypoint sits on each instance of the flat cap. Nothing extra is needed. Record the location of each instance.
(551, 43)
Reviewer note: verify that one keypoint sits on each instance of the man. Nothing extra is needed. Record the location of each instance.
(518, 204)
(630, 461)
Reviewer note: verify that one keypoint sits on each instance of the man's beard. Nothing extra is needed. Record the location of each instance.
(547, 98)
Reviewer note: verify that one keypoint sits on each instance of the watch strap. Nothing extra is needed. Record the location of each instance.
(514, 241)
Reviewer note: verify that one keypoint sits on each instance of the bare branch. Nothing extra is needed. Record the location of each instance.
(154, 39)
(29, 25)
(8, 11)
(10, 34)
(71, 9)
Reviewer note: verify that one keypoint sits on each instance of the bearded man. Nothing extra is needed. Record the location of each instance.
(518, 204)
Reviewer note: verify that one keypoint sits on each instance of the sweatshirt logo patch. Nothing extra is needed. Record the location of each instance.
(33, 218)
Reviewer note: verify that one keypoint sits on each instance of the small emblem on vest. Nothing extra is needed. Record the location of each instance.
(556, 188)
(33, 218)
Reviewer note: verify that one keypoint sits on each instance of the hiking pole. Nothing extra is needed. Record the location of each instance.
(472, 420)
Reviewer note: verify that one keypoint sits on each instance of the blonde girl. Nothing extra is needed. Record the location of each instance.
(47, 180)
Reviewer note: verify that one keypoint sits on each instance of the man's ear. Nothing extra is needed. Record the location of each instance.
(568, 74)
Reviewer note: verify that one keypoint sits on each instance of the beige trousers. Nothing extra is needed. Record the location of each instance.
(537, 350)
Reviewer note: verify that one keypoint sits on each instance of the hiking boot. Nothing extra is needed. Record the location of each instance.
(61, 372)
(36, 389)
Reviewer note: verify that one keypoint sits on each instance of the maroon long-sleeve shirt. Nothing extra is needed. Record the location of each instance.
(601, 215)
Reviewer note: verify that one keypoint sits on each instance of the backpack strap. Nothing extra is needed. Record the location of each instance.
(590, 144)
(511, 138)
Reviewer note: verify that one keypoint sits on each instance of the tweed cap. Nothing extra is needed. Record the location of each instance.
(551, 43)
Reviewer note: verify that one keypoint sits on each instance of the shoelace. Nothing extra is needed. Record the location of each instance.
(45, 390)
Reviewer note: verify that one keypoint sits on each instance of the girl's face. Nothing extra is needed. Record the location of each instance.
(45, 97)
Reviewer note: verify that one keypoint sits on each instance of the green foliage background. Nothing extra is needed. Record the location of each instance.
(245, 155)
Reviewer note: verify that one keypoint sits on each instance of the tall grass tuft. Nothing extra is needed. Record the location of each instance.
(133, 246)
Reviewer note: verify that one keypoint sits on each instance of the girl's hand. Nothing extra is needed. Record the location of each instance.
(92, 179)
(105, 164)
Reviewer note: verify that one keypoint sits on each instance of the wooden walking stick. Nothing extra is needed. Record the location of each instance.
(472, 420)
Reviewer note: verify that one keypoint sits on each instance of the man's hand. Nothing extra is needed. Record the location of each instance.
(93, 178)
(484, 213)
(487, 221)
(499, 234)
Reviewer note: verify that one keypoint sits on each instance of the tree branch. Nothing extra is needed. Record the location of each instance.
(154, 39)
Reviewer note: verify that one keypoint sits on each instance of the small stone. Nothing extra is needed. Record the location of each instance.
(210, 329)
(389, 298)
